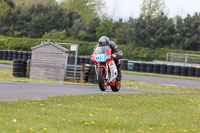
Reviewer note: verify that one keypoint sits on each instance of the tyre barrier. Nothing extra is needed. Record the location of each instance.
(25, 55)
(136, 67)
(163, 69)
(142, 67)
(19, 68)
(170, 69)
(156, 68)
(20, 55)
(1, 54)
(92, 78)
(130, 66)
(124, 65)
(184, 71)
(197, 72)
(5, 55)
(177, 70)
(10, 55)
(13, 55)
(191, 71)
(87, 60)
(149, 68)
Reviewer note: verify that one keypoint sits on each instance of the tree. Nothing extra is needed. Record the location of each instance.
(29, 3)
(105, 28)
(87, 8)
(9, 2)
(152, 8)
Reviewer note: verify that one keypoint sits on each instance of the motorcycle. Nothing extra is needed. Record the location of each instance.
(106, 69)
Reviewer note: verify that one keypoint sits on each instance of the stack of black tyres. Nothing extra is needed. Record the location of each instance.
(177, 70)
(163, 69)
(5, 55)
(15, 55)
(142, 67)
(25, 55)
(124, 65)
(87, 60)
(197, 72)
(1, 54)
(191, 71)
(184, 71)
(78, 60)
(10, 55)
(71, 59)
(82, 60)
(156, 68)
(19, 68)
(20, 55)
(91, 62)
(92, 75)
(136, 67)
(29, 55)
(170, 69)
(149, 68)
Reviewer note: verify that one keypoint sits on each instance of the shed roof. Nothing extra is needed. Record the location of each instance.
(50, 43)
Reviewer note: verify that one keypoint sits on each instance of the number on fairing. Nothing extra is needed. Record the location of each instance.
(102, 57)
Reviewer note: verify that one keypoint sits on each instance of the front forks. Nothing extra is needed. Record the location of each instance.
(97, 70)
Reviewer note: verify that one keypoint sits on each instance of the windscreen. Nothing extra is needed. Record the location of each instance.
(102, 49)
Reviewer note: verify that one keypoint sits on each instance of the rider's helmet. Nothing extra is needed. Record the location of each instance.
(104, 41)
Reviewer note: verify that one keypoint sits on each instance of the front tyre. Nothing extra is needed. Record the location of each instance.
(117, 86)
(102, 79)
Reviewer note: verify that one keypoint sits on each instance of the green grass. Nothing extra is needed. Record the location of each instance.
(156, 87)
(115, 113)
(6, 62)
(160, 75)
(6, 75)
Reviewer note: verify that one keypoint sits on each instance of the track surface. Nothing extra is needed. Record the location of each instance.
(153, 80)
(10, 91)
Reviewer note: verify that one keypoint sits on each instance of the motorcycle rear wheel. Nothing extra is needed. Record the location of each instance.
(102, 79)
(117, 86)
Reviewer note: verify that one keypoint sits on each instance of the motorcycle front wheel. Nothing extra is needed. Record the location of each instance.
(117, 86)
(102, 79)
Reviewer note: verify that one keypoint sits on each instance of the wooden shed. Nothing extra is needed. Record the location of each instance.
(49, 61)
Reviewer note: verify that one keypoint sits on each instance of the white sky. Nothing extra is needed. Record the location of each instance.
(127, 8)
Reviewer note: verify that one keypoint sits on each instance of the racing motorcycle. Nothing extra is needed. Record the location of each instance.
(106, 69)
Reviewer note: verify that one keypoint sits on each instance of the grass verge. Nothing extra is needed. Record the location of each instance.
(115, 113)
(159, 75)
(6, 62)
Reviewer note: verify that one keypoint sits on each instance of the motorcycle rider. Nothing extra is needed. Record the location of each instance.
(116, 53)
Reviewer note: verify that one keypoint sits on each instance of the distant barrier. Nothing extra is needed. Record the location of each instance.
(13, 55)
(164, 69)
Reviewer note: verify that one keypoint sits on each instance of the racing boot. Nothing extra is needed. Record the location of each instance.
(119, 76)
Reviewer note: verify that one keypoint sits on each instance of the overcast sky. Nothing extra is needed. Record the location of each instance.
(126, 8)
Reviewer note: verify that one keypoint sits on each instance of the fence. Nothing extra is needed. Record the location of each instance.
(185, 58)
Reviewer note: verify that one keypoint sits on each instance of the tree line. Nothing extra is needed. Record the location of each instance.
(64, 21)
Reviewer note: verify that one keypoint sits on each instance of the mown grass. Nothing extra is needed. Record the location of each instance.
(160, 75)
(6, 62)
(114, 113)
(156, 87)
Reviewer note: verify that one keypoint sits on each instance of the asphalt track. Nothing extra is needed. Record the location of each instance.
(10, 91)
